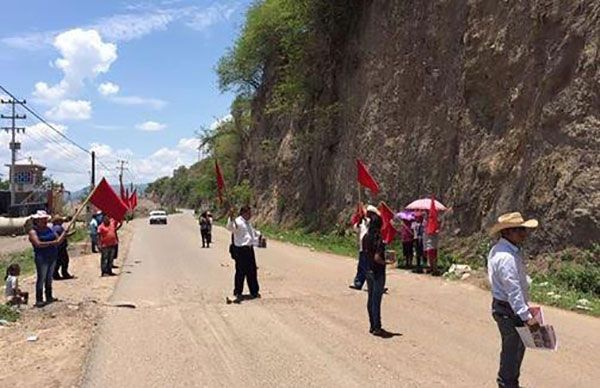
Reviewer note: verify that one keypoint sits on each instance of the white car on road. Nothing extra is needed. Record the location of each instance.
(158, 217)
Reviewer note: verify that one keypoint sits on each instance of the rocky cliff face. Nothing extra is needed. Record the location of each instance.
(494, 106)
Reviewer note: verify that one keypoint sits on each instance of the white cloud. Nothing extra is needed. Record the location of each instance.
(84, 56)
(151, 126)
(141, 21)
(188, 144)
(220, 121)
(71, 110)
(108, 88)
(153, 103)
(101, 150)
(205, 18)
(127, 27)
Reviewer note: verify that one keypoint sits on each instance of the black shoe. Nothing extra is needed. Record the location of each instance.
(57, 277)
(111, 274)
(39, 304)
(115, 266)
(68, 276)
(377, 332)
(52, 300)
(256, 296)
(355, 287)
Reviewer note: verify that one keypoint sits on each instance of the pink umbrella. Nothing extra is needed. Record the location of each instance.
(425, 204)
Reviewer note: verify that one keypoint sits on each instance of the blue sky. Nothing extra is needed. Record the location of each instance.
(129, 79)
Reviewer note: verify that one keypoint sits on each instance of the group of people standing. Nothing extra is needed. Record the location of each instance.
(49, 239)
(418, 242)
(506, 271)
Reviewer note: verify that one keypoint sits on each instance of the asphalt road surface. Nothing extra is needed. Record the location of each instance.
(309, 329)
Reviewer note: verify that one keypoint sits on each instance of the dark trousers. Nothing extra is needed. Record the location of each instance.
(361, 270)
(513, 349)
(419, 252)
(62, 263)
(94, 240)
(206, 238)
(107, 256)
(407, 252)
(245, 269)
(376, 284)
(44, 266)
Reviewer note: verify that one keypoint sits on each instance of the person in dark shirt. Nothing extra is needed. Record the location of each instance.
(61, 269)
(374, 248)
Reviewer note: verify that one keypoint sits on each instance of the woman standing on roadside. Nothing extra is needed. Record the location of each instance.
(374, 248)
(45, 244)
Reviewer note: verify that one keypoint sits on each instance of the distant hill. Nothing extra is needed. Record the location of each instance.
(82, 193)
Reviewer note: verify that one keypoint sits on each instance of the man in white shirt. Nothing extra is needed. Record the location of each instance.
(510, 291)
(244, 240)
(361, 228)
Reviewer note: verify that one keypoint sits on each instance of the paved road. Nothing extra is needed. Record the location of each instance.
(309, 329)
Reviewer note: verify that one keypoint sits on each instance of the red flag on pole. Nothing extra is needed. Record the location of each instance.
(432, 220)
(358, 215)
(105, 199)
(388, 232)
(220, 182)
(365, 179)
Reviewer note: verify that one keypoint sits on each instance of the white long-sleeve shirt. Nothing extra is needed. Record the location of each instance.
(508, 277)
(244, 234)
(361, 228)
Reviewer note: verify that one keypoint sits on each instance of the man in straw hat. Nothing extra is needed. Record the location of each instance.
(508, 279)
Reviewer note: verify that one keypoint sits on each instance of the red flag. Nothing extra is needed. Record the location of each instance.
(220, 182)
(365, 179)
(432, 220)
(358, 215)
(388, 232)
(105, 199)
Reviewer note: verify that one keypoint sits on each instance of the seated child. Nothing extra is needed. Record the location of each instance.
(14, 296)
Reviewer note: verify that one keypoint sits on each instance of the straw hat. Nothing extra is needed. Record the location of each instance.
(373, 209)
(512, 220)
(40, 214)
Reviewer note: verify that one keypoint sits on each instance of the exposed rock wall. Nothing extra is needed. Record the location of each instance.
(492, 105)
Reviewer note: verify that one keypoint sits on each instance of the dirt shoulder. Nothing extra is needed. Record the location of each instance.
(64, 329)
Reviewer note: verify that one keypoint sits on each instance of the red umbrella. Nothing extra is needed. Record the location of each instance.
(425, 204)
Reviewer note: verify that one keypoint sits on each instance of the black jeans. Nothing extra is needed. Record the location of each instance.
(205, 238)
(107, 256)
(376, 284)
(361, 270)
(44, 266)
(62, 263)
(245, 269)
(513, 349)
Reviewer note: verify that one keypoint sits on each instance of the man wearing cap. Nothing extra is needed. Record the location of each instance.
(361, 227)
(508, 279)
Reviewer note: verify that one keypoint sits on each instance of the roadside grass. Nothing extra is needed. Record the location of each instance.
(344, 245)
(570, 282)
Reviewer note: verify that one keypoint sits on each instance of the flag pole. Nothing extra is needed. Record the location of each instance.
(78, 212)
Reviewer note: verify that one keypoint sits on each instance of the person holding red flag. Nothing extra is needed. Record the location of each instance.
(360, 223)
(108, 244)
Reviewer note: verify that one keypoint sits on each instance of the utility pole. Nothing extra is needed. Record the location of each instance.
(121, 168)
(14, 146)
(93, 172)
